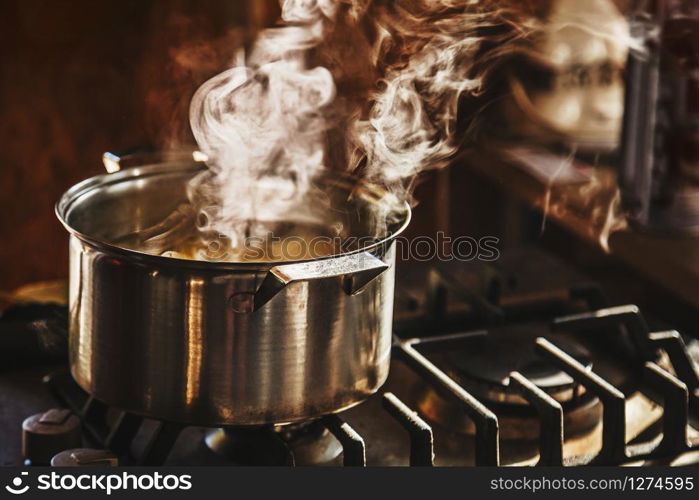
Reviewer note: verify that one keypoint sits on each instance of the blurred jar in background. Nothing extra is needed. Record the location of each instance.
(568, 87)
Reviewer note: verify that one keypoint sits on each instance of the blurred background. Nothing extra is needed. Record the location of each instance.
(80, 78)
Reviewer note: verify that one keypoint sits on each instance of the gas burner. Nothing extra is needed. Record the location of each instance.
(483, 367)
(517, 422)
(614, 440)
(308, 443)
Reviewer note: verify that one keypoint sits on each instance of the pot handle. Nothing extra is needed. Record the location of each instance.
(356, 270)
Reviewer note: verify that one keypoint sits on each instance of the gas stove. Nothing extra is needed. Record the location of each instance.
(522, 361)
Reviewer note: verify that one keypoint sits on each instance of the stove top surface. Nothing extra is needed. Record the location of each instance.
(523, 361)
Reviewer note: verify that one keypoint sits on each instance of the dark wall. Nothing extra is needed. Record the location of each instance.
(81, 77)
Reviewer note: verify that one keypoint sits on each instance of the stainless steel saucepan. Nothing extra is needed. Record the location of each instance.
(225, 343)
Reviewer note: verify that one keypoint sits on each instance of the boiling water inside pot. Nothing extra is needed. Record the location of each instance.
(180, 236)
(148, 210)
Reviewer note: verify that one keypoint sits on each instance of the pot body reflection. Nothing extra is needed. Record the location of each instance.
(168, 338)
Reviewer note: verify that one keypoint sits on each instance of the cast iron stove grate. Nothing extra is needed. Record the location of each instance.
(677, 387)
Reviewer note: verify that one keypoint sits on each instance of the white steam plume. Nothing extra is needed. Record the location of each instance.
(262, 127)
(265, 124)
(412, 118)
(441, 59)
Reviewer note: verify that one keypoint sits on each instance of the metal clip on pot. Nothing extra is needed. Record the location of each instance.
(356, 270)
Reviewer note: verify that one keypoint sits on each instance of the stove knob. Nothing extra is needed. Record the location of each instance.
(85, 457)
(45, 434)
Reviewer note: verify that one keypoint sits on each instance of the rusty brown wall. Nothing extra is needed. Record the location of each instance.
(80, 77)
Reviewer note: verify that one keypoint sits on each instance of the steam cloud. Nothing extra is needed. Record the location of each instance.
(410, 125)
(267, 125)
(262, 127)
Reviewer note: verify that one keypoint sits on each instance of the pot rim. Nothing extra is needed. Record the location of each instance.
(82, 188)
